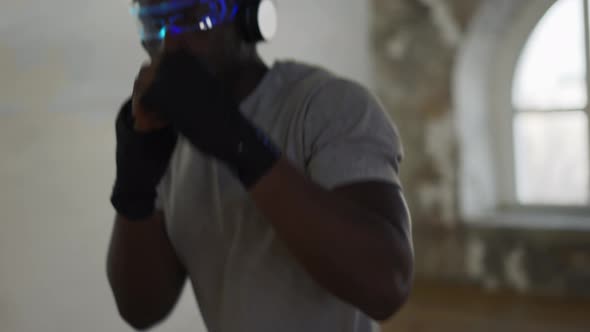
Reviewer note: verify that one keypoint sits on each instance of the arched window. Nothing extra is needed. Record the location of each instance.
(550, 103)
(521, 102)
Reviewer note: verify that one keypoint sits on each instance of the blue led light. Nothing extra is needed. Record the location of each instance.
(163, 14)
(234, 12)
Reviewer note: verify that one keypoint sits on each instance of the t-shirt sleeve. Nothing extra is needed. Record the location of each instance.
(350, 138)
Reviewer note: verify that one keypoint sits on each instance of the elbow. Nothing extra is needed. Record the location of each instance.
(139, 325)
(388, 304)
(391, 286)
(138, 307)
(140, 320)
(389, 297)
(139, 312)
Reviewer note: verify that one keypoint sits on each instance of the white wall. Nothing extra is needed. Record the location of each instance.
(62, 77)
(333, 33)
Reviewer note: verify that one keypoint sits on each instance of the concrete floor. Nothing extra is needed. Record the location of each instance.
(443, 308)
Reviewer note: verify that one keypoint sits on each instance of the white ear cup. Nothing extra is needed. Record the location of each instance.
(267, 19)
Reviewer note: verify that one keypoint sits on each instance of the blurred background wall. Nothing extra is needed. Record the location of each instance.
(501, 233)
(491, 101)
(65, 68)
(449, 72)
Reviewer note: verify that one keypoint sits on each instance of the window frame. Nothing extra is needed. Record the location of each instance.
(515, 111)
(482, 99)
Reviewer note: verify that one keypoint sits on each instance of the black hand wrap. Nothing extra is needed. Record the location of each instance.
(187, 95)
(142, 159)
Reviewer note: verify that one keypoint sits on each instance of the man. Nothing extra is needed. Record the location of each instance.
(273, 190)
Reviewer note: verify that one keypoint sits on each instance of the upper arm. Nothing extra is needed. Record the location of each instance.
(386, 200)
(383, 199)
(144, 272)
(149, 240)
(355, 150)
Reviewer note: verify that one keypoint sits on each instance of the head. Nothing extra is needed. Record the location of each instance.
(217, 31)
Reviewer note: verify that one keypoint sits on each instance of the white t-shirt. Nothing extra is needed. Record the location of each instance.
(244, 278)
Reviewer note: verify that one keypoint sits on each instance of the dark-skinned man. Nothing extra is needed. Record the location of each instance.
(273, 190)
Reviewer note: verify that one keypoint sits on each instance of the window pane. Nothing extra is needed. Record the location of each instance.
(552, 158)
(551, 71)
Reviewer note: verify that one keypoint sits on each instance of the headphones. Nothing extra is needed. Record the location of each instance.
(258, 20)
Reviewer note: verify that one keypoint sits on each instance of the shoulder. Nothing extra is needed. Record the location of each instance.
(340, 100)
(323, 92)
(325, 99)
(339, 91)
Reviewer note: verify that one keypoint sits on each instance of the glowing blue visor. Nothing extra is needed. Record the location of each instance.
(175, 17)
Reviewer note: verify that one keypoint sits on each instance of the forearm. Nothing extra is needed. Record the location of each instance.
(357, 255)
(143, 271)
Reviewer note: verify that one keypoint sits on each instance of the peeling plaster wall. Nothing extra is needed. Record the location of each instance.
(415, 45)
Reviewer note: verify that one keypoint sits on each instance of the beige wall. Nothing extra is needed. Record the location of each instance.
(62, 78)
